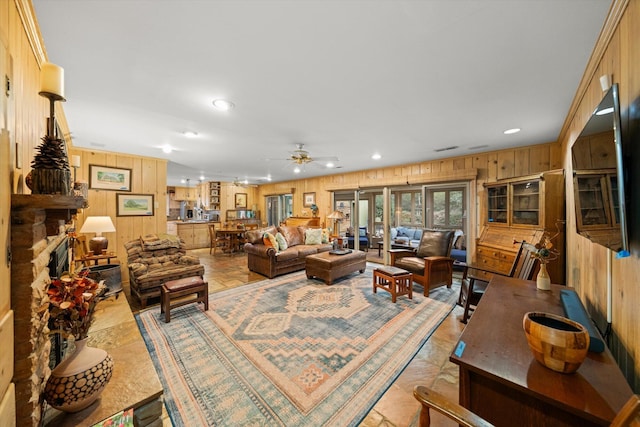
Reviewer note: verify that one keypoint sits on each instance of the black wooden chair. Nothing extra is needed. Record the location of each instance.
(475, 278)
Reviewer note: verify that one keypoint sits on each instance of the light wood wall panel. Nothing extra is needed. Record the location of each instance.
(617, 53)
(477, 169)
(148, 176)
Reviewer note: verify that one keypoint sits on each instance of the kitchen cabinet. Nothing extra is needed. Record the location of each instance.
(520, 209)
(185, 193)
(194, 234)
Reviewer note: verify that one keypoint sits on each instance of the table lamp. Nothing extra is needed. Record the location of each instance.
(98, 225)
(336, 216)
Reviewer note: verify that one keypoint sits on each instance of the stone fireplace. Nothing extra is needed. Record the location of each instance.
(37, 229)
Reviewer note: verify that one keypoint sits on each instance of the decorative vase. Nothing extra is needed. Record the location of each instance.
(543, 281)
(79, 380)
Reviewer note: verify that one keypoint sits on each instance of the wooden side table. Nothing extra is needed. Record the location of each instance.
(86, 260)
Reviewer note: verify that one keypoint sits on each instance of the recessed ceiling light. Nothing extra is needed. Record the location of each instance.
(296, 170)
(190, 134)
(223, 104)
(376, 156)
(167, 149)
(183, 181)
(201, 177)
(511, 131)
(330, 165)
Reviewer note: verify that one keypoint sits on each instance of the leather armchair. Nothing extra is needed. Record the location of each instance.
(431, 263)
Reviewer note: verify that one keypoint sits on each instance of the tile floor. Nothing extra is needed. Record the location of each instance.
(397, 407)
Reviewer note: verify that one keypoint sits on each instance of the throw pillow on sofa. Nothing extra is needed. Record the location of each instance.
(282, 242)
(313, 236)
(270, 240)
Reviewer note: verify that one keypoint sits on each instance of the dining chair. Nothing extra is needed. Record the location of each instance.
(464, 417)
(217, 241)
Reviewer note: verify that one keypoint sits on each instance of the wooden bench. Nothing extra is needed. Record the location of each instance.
(394, 280)
(176, 290)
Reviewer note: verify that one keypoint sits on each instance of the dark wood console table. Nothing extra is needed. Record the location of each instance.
(502, 382)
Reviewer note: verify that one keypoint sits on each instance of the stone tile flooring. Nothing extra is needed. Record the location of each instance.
(397, 407)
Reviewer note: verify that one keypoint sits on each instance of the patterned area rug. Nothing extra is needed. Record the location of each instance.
(288, 351)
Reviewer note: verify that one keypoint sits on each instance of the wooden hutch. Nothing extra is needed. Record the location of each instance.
(520, 209)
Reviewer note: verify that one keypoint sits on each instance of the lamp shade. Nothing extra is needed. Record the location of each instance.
(336, 215)
(98, 225)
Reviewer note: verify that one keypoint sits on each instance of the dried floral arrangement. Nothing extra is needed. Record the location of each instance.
(545, 250)
(72, 302)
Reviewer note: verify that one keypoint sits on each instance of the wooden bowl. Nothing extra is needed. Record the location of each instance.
(555, 341)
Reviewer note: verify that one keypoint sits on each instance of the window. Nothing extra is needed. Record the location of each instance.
(447, 208)
(410, 213)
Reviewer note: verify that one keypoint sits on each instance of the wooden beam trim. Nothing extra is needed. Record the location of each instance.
(610, 26)
(32, 30)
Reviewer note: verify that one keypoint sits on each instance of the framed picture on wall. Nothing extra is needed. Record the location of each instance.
(134, 204)
(309, 199)
(241, 200)
(108, 178)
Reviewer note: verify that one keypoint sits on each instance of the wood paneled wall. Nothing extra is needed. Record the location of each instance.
(477, 169)
(148, 176)
(22, 123)
(591, 267)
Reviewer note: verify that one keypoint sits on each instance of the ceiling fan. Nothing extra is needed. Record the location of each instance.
(242, 183)
(300, 156)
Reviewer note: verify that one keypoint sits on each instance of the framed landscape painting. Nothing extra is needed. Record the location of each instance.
(108, 178)
(134, 204)
(241, 200)
(309, 199)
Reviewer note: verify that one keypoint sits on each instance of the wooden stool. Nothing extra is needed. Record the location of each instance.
(175, 289)
(394, 280)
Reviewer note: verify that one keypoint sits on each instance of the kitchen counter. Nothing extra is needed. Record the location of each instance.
(194, 233)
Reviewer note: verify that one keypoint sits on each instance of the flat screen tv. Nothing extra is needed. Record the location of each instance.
(599, 178)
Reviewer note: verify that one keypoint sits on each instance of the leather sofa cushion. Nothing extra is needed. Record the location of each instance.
(304, 250)
(412, 264)
(255, 236)
(291, 235)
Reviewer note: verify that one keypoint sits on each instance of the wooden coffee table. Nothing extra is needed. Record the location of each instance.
(329, 267)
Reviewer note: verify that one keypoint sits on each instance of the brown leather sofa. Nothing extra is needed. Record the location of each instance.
(266, 261)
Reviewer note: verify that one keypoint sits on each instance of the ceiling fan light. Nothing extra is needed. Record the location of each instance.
(223, 104)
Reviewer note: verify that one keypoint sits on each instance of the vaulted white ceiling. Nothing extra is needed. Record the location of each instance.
(345, 78)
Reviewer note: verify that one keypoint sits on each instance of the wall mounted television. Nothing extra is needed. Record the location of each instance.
(599, 178)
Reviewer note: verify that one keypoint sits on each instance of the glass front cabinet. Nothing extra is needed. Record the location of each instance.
(522, 209)
(524, 202)
(596, 199)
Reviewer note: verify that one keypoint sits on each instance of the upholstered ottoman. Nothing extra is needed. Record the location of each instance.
(329, 267)
(178, 289)
(394, 280)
